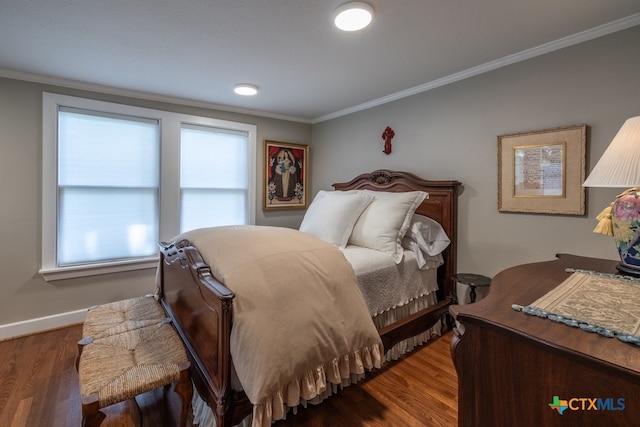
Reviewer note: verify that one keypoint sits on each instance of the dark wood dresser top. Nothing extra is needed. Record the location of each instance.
(526, 283)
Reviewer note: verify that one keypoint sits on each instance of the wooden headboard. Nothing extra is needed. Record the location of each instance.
(441, 205)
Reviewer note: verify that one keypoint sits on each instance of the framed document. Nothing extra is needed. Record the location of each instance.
(543, 171)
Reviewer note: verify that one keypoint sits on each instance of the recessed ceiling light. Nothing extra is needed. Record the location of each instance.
(245, 89)
(353, 16)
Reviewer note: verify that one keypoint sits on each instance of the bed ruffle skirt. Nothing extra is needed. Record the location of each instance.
(391, 316)
(313, 387)
(317, 385)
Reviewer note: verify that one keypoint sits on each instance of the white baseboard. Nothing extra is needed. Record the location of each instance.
(41, 324)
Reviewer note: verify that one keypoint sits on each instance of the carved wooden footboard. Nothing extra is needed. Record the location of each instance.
(202, 307)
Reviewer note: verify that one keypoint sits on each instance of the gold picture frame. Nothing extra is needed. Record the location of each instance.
(543, 171)
(286, 173)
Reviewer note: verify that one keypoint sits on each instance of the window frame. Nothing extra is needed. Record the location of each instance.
(169, 188)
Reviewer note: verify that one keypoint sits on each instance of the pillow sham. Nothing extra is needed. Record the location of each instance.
(385, 221)
(332, 215)
(426, 239)
(428, 234)
(424, 260)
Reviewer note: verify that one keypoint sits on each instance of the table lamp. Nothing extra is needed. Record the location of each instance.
(619, 166)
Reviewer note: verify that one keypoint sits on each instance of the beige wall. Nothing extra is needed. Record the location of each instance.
(24, 295)
(451, 133)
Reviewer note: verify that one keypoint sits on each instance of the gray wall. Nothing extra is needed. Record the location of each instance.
(446, 133)
(24, 294)
(451, 133)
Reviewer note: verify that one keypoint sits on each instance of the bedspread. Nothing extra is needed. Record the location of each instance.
(386, 285)
(287, 281)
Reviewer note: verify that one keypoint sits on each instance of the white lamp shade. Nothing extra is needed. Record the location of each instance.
(619, 166)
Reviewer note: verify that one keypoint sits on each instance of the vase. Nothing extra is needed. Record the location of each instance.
(625, 219)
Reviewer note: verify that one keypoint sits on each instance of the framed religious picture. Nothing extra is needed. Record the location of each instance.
(543, 171)
(286, 175)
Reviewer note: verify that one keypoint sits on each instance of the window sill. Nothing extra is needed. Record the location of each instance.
(61, 273)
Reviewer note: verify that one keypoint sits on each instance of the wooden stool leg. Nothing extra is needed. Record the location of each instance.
(136, 413)
(91, 415)
(93, 420)
(84, 341)
(185, 390)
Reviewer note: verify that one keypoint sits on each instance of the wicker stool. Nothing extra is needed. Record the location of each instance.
(119, 367)
(121, 316)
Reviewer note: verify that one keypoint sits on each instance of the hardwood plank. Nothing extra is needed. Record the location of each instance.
(394, 395)
(40, 387)
(21, 414)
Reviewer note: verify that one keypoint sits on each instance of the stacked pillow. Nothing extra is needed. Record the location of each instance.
(370, 219)
(332, 215)
(385, 221)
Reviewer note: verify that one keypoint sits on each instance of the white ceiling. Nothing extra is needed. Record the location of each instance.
(196, 50)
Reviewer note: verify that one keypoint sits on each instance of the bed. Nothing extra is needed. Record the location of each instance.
(202, 308)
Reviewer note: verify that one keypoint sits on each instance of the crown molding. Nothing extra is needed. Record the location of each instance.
(91, 87)
(590, 34)
(593, 33)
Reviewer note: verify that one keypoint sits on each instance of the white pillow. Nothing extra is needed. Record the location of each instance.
(426, 239)
(424, 260)
(385, 221)
(332, 215)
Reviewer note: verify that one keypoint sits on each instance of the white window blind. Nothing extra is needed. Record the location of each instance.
(214, 177)
(108, 179)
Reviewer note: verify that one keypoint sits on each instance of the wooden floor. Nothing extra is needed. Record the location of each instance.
(39, 387)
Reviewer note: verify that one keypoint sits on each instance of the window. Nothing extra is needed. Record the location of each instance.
(209, 178)
(119, 179)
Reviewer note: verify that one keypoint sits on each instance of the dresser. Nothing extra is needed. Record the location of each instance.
(511, 365)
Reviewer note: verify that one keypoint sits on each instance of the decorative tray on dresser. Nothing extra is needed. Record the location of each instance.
(516, 369)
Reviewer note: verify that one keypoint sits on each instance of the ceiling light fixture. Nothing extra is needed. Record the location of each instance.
(353, 16)
(245, 89)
